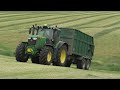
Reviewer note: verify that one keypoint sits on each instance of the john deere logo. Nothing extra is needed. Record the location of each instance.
(29, 50)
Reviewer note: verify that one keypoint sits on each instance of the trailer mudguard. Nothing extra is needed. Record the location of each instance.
(58, 45)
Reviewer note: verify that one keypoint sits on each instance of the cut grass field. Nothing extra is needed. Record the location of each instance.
(103, 26)
(10, 69)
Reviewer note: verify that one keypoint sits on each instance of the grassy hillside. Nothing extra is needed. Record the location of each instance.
(103, 26)
(10, 69)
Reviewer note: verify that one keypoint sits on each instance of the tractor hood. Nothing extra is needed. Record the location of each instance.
(36, 36)
(37, 40)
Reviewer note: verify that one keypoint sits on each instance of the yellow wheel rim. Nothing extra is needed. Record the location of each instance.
(49, 56)
(63, 56)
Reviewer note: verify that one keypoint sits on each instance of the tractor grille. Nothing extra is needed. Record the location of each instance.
(31, 41)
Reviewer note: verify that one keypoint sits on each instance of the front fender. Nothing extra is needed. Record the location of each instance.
(25, 42)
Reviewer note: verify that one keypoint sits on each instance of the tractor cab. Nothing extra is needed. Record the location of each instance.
(44, 31)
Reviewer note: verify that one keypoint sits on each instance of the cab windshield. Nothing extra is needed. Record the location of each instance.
(47, 33)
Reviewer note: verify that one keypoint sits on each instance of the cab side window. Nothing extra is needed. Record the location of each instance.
(56, 36)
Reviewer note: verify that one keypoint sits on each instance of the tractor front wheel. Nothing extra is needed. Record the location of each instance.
(21, 56)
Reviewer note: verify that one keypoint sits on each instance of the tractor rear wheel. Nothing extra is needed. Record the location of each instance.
(35, 60)
(46, 55)
(62, 57)
(21, 56)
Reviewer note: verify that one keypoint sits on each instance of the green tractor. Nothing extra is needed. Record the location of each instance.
(51, 45)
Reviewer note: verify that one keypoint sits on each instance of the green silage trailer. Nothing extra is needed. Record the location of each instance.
(80, 46)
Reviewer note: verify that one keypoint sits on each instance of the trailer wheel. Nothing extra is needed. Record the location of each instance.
(87, 65)
(62, 56)
(81, 64)
(68, 63)
(20, 53)
(46, 55)
(35, 60)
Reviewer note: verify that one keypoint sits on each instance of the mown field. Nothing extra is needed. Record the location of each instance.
(103, 26)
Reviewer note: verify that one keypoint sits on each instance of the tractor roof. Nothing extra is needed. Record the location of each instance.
(45, 26)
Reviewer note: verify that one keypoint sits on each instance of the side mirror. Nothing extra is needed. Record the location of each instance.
(30, 31)
(33, 32)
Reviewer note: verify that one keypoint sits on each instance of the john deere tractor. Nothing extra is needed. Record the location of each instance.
(59, 46)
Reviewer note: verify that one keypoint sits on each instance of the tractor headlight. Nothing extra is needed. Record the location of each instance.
(29, 38)
(32, 41)
(34, 38)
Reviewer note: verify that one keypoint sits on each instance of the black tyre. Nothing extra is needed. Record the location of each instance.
(81, 64)
(68, 62)
(20, 53)
(35, 60)
(62, 57)
(46, 55)
(87, 65)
